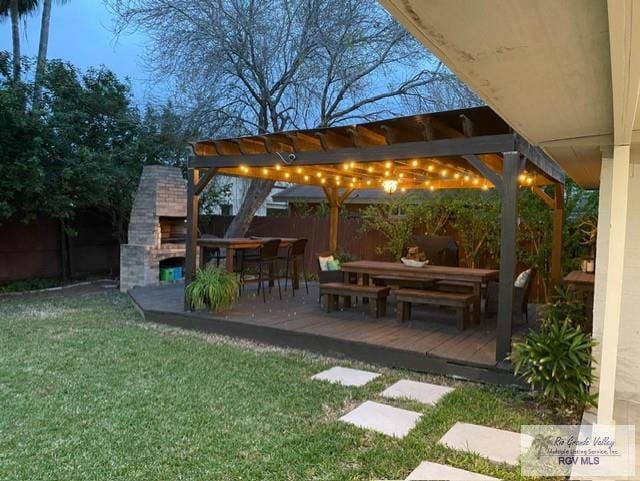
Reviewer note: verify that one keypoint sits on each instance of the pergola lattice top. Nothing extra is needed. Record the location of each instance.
(442, 150)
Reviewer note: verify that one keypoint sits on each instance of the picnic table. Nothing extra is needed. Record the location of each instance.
(472, 277)
(233, 244)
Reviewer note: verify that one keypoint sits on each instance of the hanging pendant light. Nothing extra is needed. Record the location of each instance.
(390, 186)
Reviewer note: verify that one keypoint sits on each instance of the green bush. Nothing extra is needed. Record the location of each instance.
(566, 305)
(212, 287)
(558, 363)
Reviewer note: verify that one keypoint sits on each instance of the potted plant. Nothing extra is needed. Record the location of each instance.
(212, 287)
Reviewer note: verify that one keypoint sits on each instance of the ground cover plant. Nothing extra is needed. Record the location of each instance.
(91, 391)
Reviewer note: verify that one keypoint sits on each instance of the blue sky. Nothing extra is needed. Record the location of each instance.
(81, 33)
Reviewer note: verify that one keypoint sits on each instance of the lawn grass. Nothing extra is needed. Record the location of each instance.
(90, 392)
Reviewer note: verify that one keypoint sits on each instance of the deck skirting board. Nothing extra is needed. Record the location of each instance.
(375, 354)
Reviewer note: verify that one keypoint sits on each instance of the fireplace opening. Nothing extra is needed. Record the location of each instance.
(173, 230)
(172, 269)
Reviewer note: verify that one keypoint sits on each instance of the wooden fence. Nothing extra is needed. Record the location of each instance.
(36, 249)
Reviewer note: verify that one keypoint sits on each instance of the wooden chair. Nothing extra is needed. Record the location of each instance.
(295, 253)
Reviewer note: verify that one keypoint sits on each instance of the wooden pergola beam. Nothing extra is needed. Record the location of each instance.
(202, 183)
(403, 151)
(484, 170)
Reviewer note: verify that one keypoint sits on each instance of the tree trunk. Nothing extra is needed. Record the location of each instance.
(42, 52)
(255, 196)
(15, 32)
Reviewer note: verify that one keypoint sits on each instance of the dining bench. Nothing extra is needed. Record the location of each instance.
(332, 291)
(462, 302)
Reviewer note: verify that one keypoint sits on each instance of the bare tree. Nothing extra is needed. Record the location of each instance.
(258, 66)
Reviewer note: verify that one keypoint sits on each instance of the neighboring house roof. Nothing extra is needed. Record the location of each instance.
(313, 194)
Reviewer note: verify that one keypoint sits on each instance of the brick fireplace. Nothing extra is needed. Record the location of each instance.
(157, 227)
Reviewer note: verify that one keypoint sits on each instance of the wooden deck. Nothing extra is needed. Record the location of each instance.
(429, 343)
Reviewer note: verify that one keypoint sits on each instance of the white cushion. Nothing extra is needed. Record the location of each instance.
(323, 262)
(522, 278)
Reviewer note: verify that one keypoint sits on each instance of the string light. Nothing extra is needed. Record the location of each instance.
(318, 174)
(401, 175)
(414, 163)
(299, 170)
(476, 181)
(466, 178)
(444, 172)
(432, 188)
(323, 181)
(337, 177)
(287, 175)
(456, 176)
(306, 177)
(368, 182)
(430, 168)
(352, 165)
(265, 171)
(387, 173)
(427, 182)
(345, 166)
(278, 167)
(337, 182)
(388, 164)
(370, 169)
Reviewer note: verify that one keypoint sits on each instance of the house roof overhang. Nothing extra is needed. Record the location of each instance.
(543, 65)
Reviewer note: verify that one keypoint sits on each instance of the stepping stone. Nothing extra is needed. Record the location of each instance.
(346, 376)
(383, 419)
(417, 391)
(428, 471)
(496, 445)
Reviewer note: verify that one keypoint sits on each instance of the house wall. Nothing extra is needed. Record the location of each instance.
(628, 354)
(239, 187)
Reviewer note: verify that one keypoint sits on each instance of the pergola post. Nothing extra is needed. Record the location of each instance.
(512, 164)
(335, 202)
(193, 203)
(334, 215)
(556, 238)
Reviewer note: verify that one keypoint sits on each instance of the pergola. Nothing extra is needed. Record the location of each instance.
(469, 148)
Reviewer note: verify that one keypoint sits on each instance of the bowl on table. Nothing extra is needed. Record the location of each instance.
(412, 262)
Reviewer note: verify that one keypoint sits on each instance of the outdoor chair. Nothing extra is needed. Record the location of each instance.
(267, 263)
(520, 296)
(325, 277)
(295, 253)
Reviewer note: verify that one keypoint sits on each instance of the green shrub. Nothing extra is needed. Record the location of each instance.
(212, 287)
(558, 363)
(566, 305)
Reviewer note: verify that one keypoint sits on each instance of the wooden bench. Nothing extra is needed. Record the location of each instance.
(454, 286)
(334, 290)
(402, 281)
(461, 301)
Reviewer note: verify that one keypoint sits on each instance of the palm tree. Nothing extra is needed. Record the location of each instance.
(16, 9)
(42, 48)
